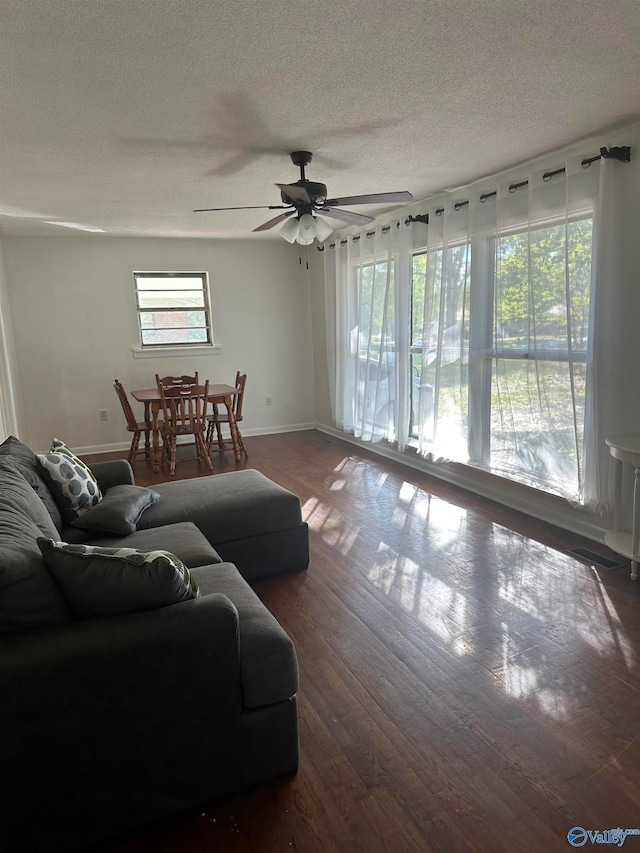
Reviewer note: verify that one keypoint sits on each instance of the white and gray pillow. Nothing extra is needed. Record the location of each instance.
(72, 483)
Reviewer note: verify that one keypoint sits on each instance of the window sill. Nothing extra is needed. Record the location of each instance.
(166, 352)
(509, 479)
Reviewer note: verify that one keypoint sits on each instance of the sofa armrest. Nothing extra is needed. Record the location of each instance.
(107, 724)
(114, 472)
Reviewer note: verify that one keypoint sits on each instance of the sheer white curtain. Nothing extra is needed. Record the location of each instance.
(492, 336)
(507, 294)
(511, 324)
(440, 330)
(367, 290)
(542, 288)
(612, 402)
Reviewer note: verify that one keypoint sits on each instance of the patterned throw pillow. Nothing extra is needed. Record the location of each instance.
(99, 581)
(72, 483)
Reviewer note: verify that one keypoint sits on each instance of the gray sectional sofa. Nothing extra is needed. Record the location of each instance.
(109, 723)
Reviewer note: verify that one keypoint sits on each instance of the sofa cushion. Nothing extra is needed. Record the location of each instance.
(268, 663)
(119, 510)
(233, 505)
(25, 459)
(72, 483)
(100, 581)
(184, 540)
(29, 597)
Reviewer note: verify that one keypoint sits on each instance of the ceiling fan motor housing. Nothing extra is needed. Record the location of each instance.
(317, 193)
(309, 197)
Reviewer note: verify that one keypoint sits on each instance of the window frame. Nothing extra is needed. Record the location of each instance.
(203, 277)
(415, 349)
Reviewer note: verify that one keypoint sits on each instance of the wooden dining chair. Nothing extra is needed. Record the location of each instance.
(177, 381)
(184, 410)
(220, 416)
(133, 426)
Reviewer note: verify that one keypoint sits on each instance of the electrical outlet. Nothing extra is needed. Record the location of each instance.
(104, 415)
(267, 401)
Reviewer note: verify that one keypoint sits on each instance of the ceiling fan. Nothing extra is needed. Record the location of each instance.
(305, 199)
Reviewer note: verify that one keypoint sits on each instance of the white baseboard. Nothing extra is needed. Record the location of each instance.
(91, 449)
(278, 429)
(120, 446)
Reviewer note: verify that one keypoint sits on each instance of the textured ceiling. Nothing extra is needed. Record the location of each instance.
(125, 115)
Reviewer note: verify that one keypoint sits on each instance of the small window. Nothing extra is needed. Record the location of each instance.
(173, 308)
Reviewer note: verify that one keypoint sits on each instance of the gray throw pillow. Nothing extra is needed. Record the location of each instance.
(72, 482)
(119, 510)
(99, 582)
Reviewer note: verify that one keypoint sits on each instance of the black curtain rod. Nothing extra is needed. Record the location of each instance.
(621, 153)
(385, 230)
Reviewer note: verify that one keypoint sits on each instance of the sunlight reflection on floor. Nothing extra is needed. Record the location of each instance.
(513, 606)
(331, 525)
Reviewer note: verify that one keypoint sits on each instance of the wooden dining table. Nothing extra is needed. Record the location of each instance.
(220, 395)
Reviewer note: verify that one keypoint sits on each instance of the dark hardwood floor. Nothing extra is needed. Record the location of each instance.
(466, 684)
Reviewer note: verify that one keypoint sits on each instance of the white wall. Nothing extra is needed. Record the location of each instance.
(323, 401)
(9, 397)
(74, 320)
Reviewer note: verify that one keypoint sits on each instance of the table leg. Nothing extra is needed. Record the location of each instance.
(233, 428)
(617, 493)
(635, 528)
(147, 432)
(155, 407)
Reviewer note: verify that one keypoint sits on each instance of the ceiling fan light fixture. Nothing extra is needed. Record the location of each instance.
(307, 226)
(290, 230)
(305, 230)
(323, 229)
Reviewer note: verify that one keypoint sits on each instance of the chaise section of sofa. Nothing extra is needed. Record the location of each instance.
(250, 520)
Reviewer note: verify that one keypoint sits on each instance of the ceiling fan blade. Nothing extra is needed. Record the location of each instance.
(251, 207)
(295, 193)
(346, 216)
(372, 198)
(275, 221)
